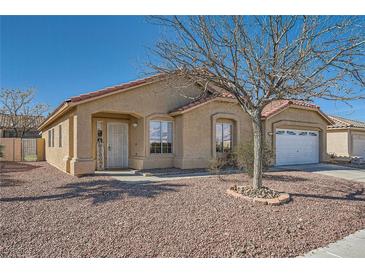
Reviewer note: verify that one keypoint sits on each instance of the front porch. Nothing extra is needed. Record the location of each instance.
(117, 140)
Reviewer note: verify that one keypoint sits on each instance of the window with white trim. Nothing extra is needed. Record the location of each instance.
(160, 137)
(223, 137)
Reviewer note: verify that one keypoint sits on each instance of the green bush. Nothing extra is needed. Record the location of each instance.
(244, 156)
(1, 151)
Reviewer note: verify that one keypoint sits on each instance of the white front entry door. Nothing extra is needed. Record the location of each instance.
(358, 144)
(117, 145)
(296, 147)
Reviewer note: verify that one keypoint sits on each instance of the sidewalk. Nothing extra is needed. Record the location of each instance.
(352, 246)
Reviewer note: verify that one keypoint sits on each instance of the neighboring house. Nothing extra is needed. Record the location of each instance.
(7, 126)
(346, 138)
(160, 123)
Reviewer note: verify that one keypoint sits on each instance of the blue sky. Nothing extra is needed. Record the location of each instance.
(67, 55)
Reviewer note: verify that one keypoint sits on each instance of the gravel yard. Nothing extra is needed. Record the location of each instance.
(47, 213)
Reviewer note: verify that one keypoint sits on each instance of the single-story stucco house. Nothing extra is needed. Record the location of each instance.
(159, 123)
(346, 138)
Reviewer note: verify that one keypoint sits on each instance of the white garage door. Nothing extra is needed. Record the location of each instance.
(296, 147)
(358, 145)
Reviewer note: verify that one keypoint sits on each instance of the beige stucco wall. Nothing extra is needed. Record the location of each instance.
(338, 142)
(356, 134)
(57, 156)
(297, 118)
(198, 132)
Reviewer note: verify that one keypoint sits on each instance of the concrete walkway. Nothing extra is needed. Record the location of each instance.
(132, 176)
(352, 246)
(342, 172)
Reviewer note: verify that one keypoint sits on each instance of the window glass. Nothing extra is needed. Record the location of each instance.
(160, 137)
(280, 132)
(219, 137)
(169, 137)
(49, 138)
(155, 133)
(52, 137)
(312, 134)
(60, 135)
(290, 132)
(223, 137)
(227, 137)
(303, 133)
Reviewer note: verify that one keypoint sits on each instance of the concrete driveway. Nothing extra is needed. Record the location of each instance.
(342, 172)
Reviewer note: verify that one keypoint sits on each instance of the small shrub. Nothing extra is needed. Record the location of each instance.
(1, 151)
(217, 164)
(245, 157)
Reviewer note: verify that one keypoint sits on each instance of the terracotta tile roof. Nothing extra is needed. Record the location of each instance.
(6, 121)
(204, 98)
(104, 91)
(268, 110)
(210, 95)
(346, 123)
(112, 89)
(278, 105)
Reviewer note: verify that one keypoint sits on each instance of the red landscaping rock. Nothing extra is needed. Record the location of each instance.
(47, 213)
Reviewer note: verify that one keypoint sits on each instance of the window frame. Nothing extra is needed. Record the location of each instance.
(52, 137)
(60, 135)
(222, 140)
(170, 150)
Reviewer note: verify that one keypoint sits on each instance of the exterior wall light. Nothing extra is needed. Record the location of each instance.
(134, 125)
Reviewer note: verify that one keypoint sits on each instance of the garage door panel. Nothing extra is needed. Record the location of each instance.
(296, 147)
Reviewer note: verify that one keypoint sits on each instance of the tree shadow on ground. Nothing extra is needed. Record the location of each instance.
(284, 178)
(270, 177)
(356, 195)
(7, 167)
(101, 191)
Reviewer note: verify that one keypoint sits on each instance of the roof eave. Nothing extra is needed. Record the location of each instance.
(213, 99)
(74, 101)
(281, 109)
(66, 105)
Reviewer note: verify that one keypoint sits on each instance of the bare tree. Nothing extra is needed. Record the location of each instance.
(259, 59)
(23, 113)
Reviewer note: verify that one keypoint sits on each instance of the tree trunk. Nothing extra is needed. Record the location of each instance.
(258, 149)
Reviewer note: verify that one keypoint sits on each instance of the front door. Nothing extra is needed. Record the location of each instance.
(117, 145)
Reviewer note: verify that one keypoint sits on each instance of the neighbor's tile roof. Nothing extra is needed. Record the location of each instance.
(346, 123)
(6, 121)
